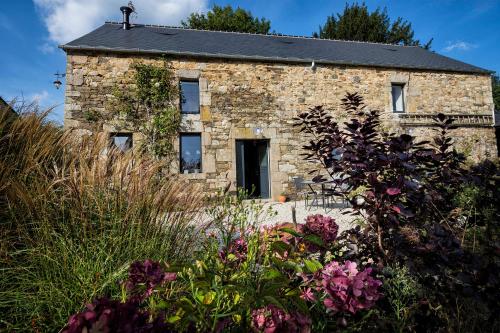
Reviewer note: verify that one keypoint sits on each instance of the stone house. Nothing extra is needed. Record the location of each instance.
(241, 92)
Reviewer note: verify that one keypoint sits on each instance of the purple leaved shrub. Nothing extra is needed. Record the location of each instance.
(144, 276)
(237, 248)
(105, 315)
(347, 289)
(271, 319)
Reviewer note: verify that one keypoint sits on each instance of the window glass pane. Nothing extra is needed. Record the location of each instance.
(190, 153)
(190, 97)
(397, 98)
(122, 141)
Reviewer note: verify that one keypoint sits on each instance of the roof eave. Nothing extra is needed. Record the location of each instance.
(259, 58)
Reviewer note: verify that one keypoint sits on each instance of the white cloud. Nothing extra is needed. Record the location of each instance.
(46, 48)
(67, 20)
(459, 45)
(40, 97)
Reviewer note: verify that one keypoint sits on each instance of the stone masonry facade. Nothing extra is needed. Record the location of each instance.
(238, 97)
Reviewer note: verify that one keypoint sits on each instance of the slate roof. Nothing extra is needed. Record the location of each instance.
(110, 37)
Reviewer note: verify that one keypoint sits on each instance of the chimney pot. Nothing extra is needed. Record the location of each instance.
(126, 10)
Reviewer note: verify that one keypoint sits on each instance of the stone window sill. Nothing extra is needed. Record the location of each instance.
(200, 175)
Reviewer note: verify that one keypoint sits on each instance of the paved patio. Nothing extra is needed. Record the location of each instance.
(284, 213)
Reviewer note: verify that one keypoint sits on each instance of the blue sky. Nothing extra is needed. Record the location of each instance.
(31, 30)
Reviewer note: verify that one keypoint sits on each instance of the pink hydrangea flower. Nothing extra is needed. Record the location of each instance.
(322, 226)
(270, 319)
(346, 288)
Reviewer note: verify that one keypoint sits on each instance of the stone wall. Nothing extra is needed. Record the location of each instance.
(238, 97)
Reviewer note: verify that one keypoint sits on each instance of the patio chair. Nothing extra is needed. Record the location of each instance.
(303, 191)
(330, 191)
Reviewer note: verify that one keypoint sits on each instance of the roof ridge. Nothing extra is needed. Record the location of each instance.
(255, 34)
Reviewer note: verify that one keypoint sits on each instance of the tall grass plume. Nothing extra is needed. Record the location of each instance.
(74, 213)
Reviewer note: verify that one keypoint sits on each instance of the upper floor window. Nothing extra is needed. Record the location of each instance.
(122, 141)
(190, 151)
(190, 96)
(398, 102)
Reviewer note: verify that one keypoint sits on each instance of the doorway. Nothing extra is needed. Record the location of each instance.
(252, 167)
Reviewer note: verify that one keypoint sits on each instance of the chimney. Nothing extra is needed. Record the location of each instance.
(126, 10)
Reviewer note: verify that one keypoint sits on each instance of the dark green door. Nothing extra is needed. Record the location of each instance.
(252, 167)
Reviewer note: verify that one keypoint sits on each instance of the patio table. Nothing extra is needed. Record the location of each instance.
(310, 184)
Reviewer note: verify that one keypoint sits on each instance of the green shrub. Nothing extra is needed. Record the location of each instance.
(400, 290)
(73, 215)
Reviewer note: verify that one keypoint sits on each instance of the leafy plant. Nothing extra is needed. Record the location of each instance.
(381, 168)
(114, 316)
(264, 280)
(401, 291)
(405, 191)
(91, 115)
(150, 106)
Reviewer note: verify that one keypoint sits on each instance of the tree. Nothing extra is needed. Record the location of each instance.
(496, 91)
(227, 19)
(357, 23)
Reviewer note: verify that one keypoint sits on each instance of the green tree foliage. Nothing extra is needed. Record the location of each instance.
(496, 91)
(228, 19)
(357, 23)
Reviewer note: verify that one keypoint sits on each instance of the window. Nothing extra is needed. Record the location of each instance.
(122, 141)
(398, 102)
(190, 97)
(190, 151)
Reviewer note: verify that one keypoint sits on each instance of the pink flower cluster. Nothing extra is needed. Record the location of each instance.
(271, 319)
(322, 226)
(346, 288)
(238, 248)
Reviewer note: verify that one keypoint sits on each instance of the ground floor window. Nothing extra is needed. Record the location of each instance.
(122, 141)
(190, 152)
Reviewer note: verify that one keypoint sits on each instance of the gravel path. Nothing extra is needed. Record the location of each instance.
(284, 213)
